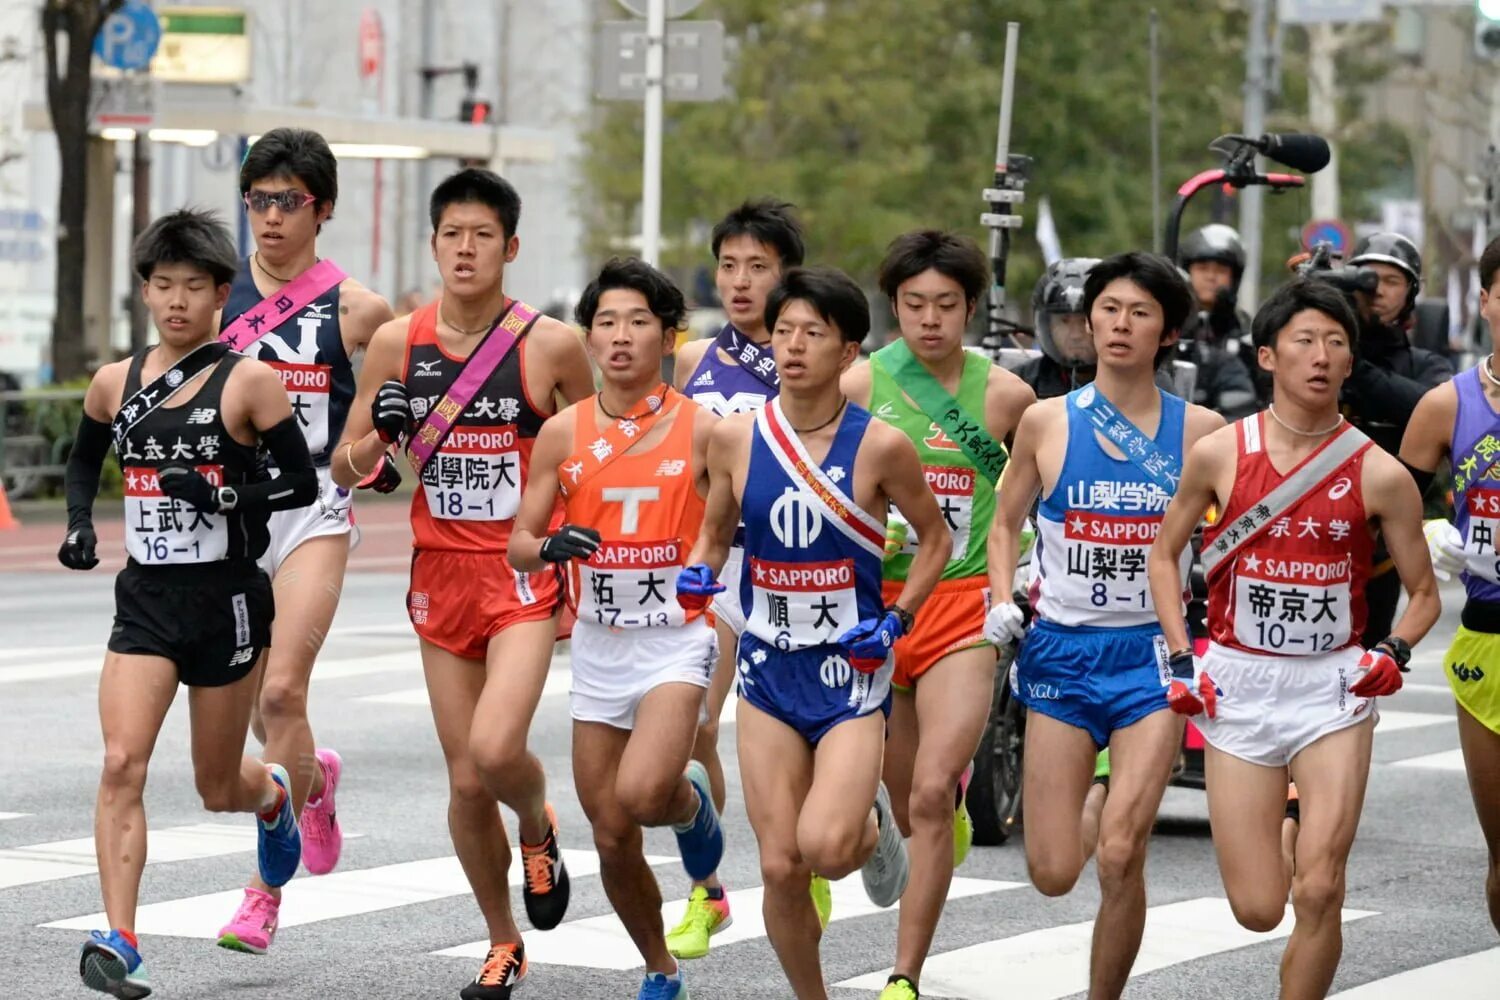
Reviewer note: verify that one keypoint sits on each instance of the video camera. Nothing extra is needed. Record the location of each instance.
(1351, 281)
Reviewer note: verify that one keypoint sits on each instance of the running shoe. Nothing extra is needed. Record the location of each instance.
(659, 987)
(886, 871)
(822, 898)
(1101, 769)
(280, 847)
(1293, 804)
(704, 918)
(546, 887)
(898, 987)
(963, 823)
(253, 926)
(322, 840)
(701, 841)
(110, 964)
(503, 971)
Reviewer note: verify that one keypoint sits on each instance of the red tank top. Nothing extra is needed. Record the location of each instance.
(470, 489)
(1298, 588)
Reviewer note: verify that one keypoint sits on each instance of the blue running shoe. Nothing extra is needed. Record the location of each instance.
(658, 987)
(701, 842)
(280, 848)
(110, 964)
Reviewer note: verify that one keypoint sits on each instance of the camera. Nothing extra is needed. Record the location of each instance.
(1319, 265)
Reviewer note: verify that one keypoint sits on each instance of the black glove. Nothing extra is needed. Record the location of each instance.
(570, 542)
(183, 482)
(384, 479)
(391, 411)
(77, 550)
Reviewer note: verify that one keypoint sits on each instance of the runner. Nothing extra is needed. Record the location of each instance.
(187, 418)
(476, 372)
(1092, 671)
(306, 319)
(814, 660)
(1459, 422)
(752, 246)
(956, 408)
(1285, 684)
(631, 464)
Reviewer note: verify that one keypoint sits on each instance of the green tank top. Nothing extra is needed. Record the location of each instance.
(966, 497)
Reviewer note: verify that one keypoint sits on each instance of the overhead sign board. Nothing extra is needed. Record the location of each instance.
(203, 45)
(694, 61)
(1330, 11)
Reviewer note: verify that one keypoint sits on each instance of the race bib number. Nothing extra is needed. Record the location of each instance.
(1479, 542)
(796, 605)
(954, 489)
(160, 530)
(1292, 606)
(308, 387)
(476, 476)
(631, 585)
(1104, 561)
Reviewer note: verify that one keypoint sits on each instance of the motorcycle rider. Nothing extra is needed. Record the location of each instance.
(1217, 333)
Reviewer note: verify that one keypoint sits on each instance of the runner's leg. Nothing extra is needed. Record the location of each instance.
(1057, 767)
(1246, 806)
(836, 830)
(1481, 747)
(517, 662)
(1141, 756)
(227, 778)
(901, 736)
(706, 748)
(954, 696)
(135, 693)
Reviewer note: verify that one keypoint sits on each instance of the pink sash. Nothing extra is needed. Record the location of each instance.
(269, 313)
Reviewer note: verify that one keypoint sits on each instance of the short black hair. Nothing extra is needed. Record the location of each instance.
(1295, 296)
(475, 184)
(293, 153)
(833, 295)
(193, 236)
(1153, 272)
(770, 221)
(663, 298)
(950, 254)
(1489, 264)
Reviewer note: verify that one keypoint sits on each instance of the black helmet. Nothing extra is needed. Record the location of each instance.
(1397, 251)
(1059, 292)
(1216, 242)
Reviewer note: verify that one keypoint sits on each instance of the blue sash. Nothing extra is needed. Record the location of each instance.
(1161, 467)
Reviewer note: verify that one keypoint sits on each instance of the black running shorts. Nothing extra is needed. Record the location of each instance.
(211, 619)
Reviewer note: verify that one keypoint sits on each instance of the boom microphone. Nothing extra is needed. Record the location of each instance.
(1298, 150)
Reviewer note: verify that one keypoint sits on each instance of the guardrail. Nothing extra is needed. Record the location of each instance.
(35, 435)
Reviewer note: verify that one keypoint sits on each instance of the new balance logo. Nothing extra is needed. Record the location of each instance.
(707, 378)
(242, 657)
(428, 367)
(202, 415)
(671, 467)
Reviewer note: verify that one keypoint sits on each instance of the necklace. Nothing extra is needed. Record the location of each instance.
(633, 416)
(460, 330)
(843, 402)
(1489, 371)
(268, 272)
(1311, 434)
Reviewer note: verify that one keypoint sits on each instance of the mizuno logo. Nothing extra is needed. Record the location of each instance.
(429, 367)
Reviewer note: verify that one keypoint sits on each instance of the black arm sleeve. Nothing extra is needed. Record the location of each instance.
(81, 481)
(297, 484)
(1424, 479)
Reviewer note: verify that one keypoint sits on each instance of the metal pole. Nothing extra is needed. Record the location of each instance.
(140, 218)
(999, 236)
(1155, 32)
(429, 12)
(1252, 199)
(1322, 115)
(656, 30)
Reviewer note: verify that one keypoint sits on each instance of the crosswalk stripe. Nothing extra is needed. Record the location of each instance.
(1392, 721)
(1465, 976)
(329, 897)
(1447, 760)
(326, 670)
(601, 942)
(559, 681)
(5, 816)
(1054, 962)
(70, 858)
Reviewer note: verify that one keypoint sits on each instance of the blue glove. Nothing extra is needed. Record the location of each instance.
(696, 587)
(869, 643)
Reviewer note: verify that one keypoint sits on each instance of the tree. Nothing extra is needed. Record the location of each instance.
(68, 31)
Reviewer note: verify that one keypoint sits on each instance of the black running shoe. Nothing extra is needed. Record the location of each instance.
(546, 887)
(503, 971)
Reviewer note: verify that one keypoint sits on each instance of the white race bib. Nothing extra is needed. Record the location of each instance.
(1479, 541)
(160, 531)
(1103, 562)
(1295, 606)
(631, 585)
(475, 476)
(796, 605)
(953, 486)
(308, 387)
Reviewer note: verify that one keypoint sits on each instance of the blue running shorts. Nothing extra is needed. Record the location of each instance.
(1097, 679)
(813, 689)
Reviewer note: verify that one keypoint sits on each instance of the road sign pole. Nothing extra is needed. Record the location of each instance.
(656, 31)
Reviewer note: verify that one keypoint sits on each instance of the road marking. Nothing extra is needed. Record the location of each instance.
(355, 665)
(330, 897)
(1457, 977)
(5, 816)
(70, 858)
(601, 942)
(1392, 721)
(559, 681)
(1448, 760)
(14, 654)
(1427, 688)
(1054, 962)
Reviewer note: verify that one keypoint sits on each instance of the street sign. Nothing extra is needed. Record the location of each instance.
(371, 43)
(123, 102)
(128, 37)
(675, 8)
(203, 45)
(1331, 11)
(1327, 231)
(694, 61)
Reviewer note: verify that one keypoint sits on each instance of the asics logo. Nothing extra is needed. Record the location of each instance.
(1340, 489)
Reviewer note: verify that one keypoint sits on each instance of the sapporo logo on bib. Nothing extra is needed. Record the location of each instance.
(631, 584)
(161, 530)
(1484, 519)
(953, 486)
(308, 387)
(1292, 605)
(803, 603)
(1106, 536)
(476, 475)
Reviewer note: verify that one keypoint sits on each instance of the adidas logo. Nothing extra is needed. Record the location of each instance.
(707, 378)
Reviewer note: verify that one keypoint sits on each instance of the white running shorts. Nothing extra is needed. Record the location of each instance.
(614, 669)
(332, 513)
(726, 606)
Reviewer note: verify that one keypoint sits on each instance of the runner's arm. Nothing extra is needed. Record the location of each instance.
(360, 446)
(902, 480)
(270, 412)
(857, 382)
(91, 445)
(689, 356)
(1006, 400)
(1391, 495)
(704, 422)
(1426, 441)
(721, 515)
(1195, 491)
(572, 377)
(1017, 491)
(539, 499)
(361, 313)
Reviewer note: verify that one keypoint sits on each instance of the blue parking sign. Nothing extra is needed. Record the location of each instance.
(1332, 231)
(128, 38)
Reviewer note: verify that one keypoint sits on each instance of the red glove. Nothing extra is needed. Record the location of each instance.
(1187, 696)
(1382, 675)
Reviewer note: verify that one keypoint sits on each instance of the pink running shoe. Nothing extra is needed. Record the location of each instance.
(322, 840)
(253, 927)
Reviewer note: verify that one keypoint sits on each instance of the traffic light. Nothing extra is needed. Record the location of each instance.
(474, 111)
(1487, 29)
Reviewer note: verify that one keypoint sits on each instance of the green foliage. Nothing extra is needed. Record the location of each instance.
(56, 421)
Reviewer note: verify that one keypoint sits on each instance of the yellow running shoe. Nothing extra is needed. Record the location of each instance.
(899, 988)
(822, 898)
(704, 918)
(963, 823)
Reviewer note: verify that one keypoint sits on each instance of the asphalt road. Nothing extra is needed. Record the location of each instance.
(378, 926)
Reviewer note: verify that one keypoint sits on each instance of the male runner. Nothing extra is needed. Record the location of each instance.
(306, 319)
(1092, 671)
(630, 463)
(1460, 421)
(1285, 685)
(187, 418)
(957, 409)
(814, 662)
(734, 372)
(467, 382)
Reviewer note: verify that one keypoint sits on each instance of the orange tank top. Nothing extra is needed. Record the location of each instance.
(646, 507)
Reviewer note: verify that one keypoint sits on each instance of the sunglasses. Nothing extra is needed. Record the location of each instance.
(260, 202)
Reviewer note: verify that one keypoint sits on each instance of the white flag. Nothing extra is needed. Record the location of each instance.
(1046, 233)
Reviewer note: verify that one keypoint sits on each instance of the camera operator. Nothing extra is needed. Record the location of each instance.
(1216, 335)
